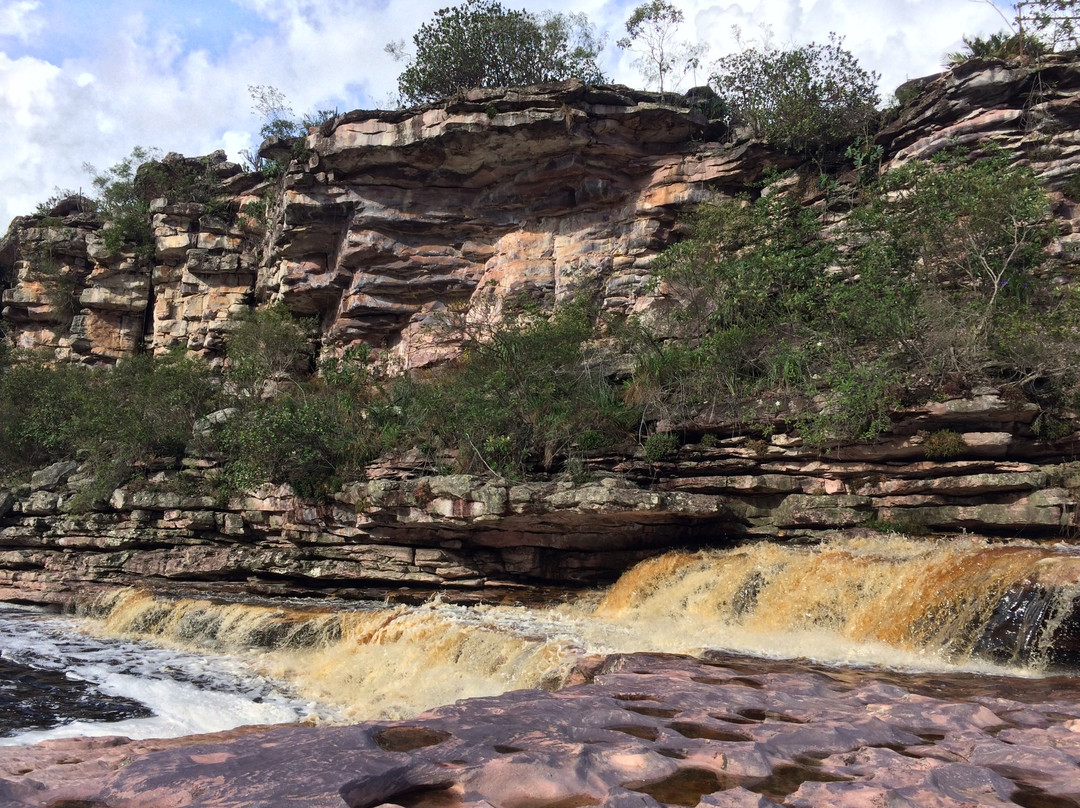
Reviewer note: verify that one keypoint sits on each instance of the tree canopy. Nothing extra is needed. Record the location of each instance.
(479, 43)
(808, 98)
(651, 33)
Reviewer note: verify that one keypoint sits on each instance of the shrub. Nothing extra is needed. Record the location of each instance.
(808, 99)
(521, 398)
(269, 345)
(481, 44)
(1001, 45)
(292, 438)
(860, 400)
(944, 444)
(936, 272)
(42, 409)
(659, 445)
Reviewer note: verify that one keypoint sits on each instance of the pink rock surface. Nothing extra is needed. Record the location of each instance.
(650, 730)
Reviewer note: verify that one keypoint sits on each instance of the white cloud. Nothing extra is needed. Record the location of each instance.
(179, 81)
(18, 20)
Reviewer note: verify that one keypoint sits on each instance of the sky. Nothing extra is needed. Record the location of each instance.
(84, 81)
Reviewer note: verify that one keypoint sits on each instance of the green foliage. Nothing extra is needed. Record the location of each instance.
(936, 273)
(860, 398)
(288, 426)
(290, 438)
(257, 211)
(144, 408)
(1000, 45)
(523, 397)
(124, 191)
(973, 233)
(112, 420)
(807, 99)
(269, 346)
(179, 180)
(41, 411)
(659, 445)
(479, 43)
(944, 445)
(651, 32)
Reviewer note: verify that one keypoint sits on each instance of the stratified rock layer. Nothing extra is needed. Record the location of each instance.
(404, 230)
(725, 733)
(402, 528)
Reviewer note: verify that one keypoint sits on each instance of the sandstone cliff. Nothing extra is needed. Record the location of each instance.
(385, 220)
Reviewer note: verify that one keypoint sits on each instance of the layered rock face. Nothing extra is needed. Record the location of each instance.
(474, 535)
(386, 226)
(387, 223)
(388, 220)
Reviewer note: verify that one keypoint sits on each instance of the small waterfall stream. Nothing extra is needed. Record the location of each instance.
(885, 602)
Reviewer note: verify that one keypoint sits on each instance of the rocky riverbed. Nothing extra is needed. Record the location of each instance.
(644, 730)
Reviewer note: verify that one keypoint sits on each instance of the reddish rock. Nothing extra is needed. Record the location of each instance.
(726, 733)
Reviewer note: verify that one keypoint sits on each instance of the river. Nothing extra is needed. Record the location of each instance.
(142, 666)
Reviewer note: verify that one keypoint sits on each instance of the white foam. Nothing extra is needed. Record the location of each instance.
(179, 709)
(188, 693)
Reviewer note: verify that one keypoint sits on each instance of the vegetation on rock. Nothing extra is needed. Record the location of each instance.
(937, 272)
(479, 43)
(662, 59)
(815, 304)
(805, 99)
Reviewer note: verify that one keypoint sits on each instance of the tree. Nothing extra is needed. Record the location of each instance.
(650, 32)
(810, 98)
(1054, 22)
(481, 44)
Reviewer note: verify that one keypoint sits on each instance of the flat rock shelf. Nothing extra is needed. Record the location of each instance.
(723, 731)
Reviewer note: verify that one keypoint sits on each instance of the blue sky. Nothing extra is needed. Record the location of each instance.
(83, 81)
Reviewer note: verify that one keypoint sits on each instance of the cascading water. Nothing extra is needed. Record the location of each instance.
(887, 601)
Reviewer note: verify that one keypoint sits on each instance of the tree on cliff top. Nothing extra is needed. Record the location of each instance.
(1054, 22)
(651, 32)
(481, 44)
(806, 99)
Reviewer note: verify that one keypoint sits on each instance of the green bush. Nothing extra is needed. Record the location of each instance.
(659, 445)
(937, 272)
(944, 445)
(42, 409)
(291, 438)
(269, 345)
(807, 99)
(861, 397)
(1000, 45)
(110, 419)
(523, 397)
(479, 43)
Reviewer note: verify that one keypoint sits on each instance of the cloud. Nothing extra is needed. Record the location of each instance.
(18, 20)
(85, 82)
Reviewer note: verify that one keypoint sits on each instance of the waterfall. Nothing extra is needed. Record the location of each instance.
(890, 601)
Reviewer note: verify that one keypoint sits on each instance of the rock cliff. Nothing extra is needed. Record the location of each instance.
(385, 221)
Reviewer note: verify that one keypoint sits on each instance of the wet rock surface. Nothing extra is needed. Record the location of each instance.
(648, 730)
(31, 698)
